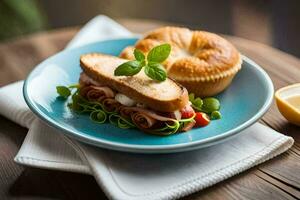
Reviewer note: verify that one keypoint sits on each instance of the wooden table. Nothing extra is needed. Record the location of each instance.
(276, 179)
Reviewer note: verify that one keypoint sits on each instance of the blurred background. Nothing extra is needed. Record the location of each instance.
(272, 22)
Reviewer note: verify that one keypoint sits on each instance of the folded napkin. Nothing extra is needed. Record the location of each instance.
(136, 176)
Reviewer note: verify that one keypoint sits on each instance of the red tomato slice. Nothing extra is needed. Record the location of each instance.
(201, 119)
(187, 112)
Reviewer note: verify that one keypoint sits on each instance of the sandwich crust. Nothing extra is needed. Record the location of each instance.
(166, 96)
(203, 62)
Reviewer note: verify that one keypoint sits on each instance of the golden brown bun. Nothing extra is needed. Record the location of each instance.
(166, 96)
(203, 62)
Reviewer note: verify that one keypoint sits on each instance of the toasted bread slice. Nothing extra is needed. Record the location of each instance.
(166, 96)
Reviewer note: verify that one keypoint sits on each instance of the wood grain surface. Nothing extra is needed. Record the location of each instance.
(275, 179)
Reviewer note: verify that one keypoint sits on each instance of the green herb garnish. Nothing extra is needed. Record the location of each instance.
(215, 115)
(208, 105)
(159, 53)
(152, 64)
(168, 129)
(196, 102)
(63, 91)
(98, 116)
(120, 122)
(138, 54)
(155, 71)
(95, 110)
(129, 68)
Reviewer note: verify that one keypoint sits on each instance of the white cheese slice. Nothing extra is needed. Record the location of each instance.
(177, 114)
(124, 100)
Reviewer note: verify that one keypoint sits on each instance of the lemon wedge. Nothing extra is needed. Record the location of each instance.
(288, 102)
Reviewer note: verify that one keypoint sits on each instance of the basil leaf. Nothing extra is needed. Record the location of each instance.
(159, 53)
(155, 71)
(129, 68)
(63, 91)
(138, 54)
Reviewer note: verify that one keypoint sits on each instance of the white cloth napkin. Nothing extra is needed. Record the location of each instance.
(136, 176)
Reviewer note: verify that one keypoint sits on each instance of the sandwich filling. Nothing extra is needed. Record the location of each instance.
(135, 114)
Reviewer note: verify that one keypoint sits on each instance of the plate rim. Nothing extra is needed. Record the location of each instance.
(135, 148)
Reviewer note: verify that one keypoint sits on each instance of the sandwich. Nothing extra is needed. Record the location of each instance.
(154, 107)
(116, 90)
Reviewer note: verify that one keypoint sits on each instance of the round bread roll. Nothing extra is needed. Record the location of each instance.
(203, 62)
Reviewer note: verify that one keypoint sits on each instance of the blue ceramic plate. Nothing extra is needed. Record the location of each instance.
(243, 103)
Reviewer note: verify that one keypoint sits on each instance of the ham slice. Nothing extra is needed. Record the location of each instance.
(96, 93)
(85, 80)
(111, 105)
(147, 112)
(188, 126)
(143, 118)
(126, 111)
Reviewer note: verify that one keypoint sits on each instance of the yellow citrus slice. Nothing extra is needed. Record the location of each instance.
(288, 102)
